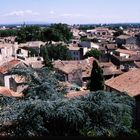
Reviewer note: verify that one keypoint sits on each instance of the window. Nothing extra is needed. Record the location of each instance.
(104, 33)
(19, 51)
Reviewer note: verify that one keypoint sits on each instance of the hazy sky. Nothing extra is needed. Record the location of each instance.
(70, 11)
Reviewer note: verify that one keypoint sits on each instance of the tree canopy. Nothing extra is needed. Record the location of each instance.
(93, 53)
(8, 32)
(96, 114)
(55, 32)
(45, 112)
(29, 33)
(63, 30)
(56, 52)
(118, 33)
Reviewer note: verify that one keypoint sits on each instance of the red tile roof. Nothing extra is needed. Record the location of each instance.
(123, 36)
(77, 94)
(137, 64)
(128, 82)
(68, 66)
(130, 52)
(9, 65)
(9, 93)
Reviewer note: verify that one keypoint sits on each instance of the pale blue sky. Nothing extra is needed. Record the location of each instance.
(70, 11)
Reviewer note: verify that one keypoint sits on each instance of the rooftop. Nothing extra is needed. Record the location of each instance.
(19, 79)
(101, 29)
(109, 69)
(5, 45)
(137, 64)
(123, 36)
(111, 46)
(130, 52)
(128, 82)
(72, 48)
(106, 64)
(9, 65)
(69, 66)
(77, 94)
(9, 93)
(133, 47)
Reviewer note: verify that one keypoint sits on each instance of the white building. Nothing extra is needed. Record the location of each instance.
(75, 52)
(5, 50)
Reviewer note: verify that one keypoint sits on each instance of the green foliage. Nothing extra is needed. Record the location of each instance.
(44, 54)
(96, 114)
(29, 33)
(110, 114)
(4, 101)
(42, 83)
(55, 32)
(56, 52)
(118, 32)
(86, 27)
(96, 79)
(50, 34)
(33, 52)
(93, 53)
(44, 111)
(8, 32)
(63, 31)
(85, 39)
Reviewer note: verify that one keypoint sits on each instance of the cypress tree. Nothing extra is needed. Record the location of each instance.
(97, 79)
(46, 58)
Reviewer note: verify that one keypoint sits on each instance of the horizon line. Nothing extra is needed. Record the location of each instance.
(43, 22)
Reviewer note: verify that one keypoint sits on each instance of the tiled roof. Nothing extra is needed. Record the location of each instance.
(77, 94)
(9, 65)
(128, 82)
(101, 29)
(69, 66)
(111, 71)
(111, 46)
(35, 43)
(5, 45)
(127, 51)
(137, 64)
(9, 93)
(123, 37)
(19, 79)
(86, 66)
(106, 64)
(72, 48)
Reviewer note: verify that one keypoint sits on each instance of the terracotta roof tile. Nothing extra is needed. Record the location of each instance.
(9, 93)
(5, 45)
(111, 46)
(128, 82)
(19, 79)
(77, 94)
(123, 36)
(137, 64)
(126, 51)
(69, 66)
(9, 65)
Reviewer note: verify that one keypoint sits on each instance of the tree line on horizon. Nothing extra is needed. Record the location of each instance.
(54, 32)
